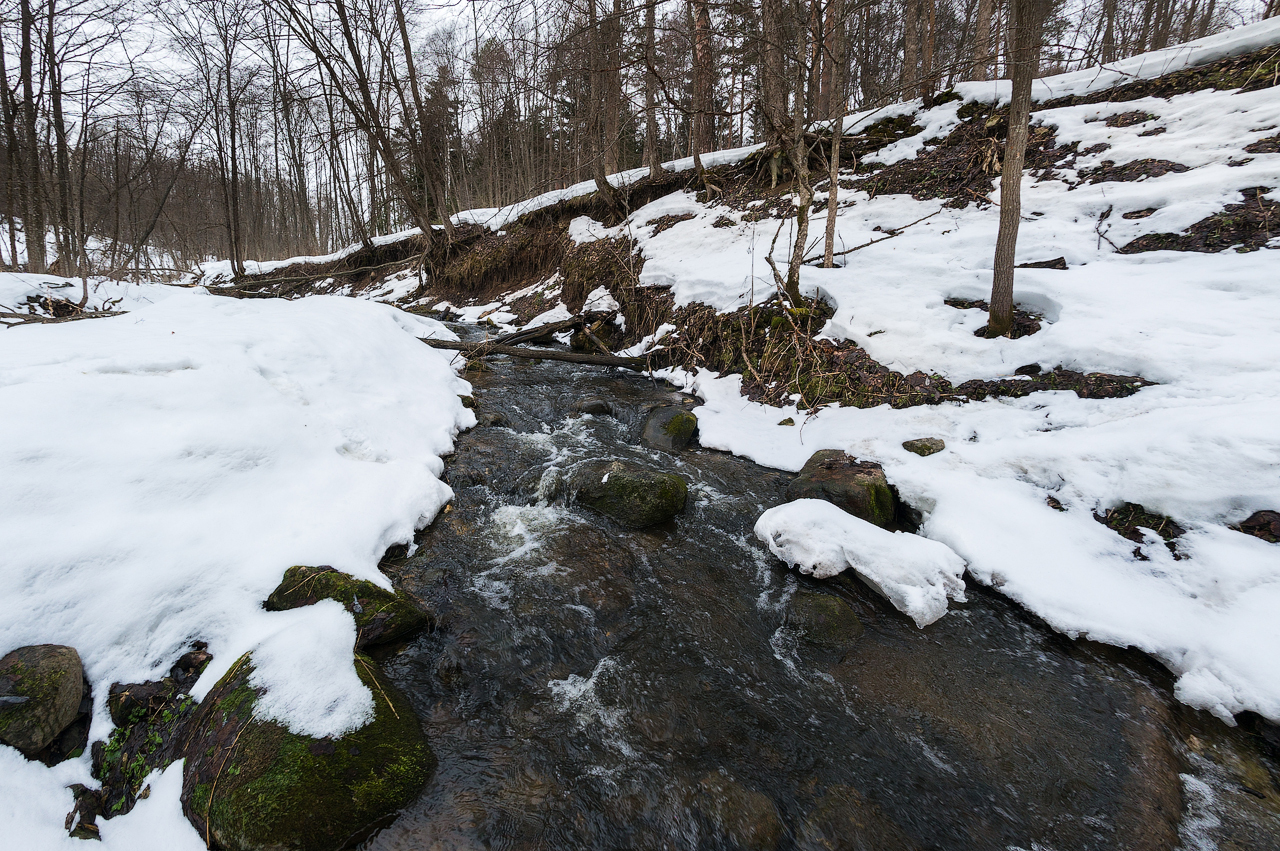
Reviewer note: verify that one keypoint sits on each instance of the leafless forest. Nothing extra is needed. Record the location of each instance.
(146, 136)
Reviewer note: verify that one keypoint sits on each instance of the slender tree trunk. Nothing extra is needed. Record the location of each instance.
(1024, 28)
(33, 221)
(68, 254)
(611, 78)
(773, 78)
(800, 162)
(703, 79)
(1108, 53)
(13, 166)
(928, 84)
(652, 157)
(911, 49)
(837, 110)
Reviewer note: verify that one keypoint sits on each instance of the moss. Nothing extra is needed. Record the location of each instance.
(827, 621)
(271, 788)
(381, 616)
(681, 426)
(631, 495)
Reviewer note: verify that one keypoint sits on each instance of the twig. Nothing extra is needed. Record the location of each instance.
(891, 235)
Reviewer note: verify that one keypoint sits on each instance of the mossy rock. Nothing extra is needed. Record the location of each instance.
(252, 785)
(382, 616)
(669, 428)
(924, 446)
(40, 691)
(826, 620)
(858, 487)
(630, 494)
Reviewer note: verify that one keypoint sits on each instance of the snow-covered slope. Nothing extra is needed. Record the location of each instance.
(159, 471)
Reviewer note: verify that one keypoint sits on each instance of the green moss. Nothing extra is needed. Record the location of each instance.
(632, 496)
(278, 789)
(381, 616)
(681, 426)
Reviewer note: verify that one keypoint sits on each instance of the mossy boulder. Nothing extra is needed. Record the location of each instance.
(740, 817)
(252, 785)
(41, 687)
(826, 620)
(858, 487)
(382, 616)
(630, 494)
(669, 428)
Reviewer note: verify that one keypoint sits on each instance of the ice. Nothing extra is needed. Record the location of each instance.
(916, 574)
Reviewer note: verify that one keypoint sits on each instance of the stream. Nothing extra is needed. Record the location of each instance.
(592, 687)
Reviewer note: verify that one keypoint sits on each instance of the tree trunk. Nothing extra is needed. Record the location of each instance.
(981, 56)
(799, 162)
(1024, 30)
(836, 113)
(703, 79)
(1108, 53)
(910, 49)
(652, 157)
(33, 219)
(773, 78)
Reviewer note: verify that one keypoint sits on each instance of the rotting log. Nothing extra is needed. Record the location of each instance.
(484, 349)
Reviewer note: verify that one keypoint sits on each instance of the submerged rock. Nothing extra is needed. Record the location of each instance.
(41, 687)
(669, 428)
(924, 446)
(741, 818)
(595, 405)
(827, 621)
(843, 820)
(381, 616)
(858, 487)
(630, 494)
(252, 785)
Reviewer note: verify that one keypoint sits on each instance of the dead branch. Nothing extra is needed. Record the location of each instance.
(486, 349)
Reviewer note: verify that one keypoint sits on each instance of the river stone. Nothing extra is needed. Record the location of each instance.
(924, 446)
(742, 818)
(255, 786)
(630, 494)
(827, 620)
(843, 820)
(40, 691)
(595, 405)
(858, 487)
(669, 428)
(382, 616)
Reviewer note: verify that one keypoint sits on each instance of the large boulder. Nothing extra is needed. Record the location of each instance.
(381, 616)
(630, 494)
(669, 428)
(252, 785)
(41, 687)
(858, 487)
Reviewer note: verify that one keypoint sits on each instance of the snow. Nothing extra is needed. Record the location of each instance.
(104, 295)
(162, 469)
(916, 574)
(1201, 446)
(600, 300)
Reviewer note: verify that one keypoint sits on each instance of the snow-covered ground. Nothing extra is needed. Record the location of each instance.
(162, 469)
(1202, 446)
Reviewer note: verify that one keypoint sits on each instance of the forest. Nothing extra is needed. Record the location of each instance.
(146, 137)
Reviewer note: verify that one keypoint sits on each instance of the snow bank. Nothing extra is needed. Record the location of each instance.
(162, 469)
(916, 574)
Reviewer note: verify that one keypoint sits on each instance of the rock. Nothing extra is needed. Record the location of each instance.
(252, 785)
(381, 616)
(630, 494)
(669, 428)
(827, 621)
(924, 446)
(742, 818)
(843, 820)
(41, 687)
(595, 405)
(468, 402)
(1262, 524)
(858, 487)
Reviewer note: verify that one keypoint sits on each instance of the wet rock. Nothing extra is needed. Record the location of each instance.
(924, 446)
(41, 687)
(858, 487)
(252, 785)
(826, 620)
(669, 428)
(595, 405)
(382, 616)
(630, 494)
(742, 818)
(129, 703)
(1262, 524)
(843, 820)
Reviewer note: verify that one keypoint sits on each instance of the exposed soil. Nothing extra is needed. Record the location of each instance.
(667, 222)
(1269, 145)
(1129, 119)
(1248, 227)
(1024, 324)
(1130, 519)
(1109, 172)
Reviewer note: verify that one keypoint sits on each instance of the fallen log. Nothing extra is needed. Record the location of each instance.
(537, 332)
(483, 349)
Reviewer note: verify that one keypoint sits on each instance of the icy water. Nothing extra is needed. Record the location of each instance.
(589, 687)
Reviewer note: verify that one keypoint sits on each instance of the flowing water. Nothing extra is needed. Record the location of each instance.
(591, 687)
